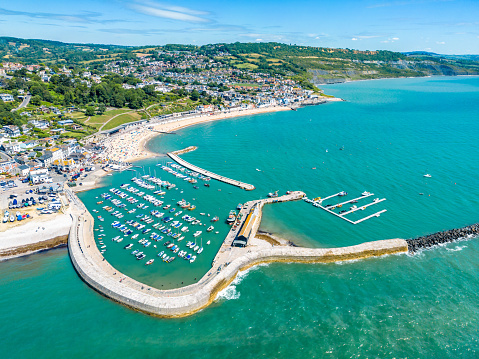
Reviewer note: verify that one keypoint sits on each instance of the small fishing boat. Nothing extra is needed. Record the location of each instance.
(149, 262)
(210, 228)
(427, 175)
(128, 246)
(215, 219)
(193, 258)
(231, 217)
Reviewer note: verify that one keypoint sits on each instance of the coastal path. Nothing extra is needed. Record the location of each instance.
(179, 160)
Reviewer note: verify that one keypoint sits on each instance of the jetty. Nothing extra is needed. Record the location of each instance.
(174, 156)
(318, 202)
(93, 268)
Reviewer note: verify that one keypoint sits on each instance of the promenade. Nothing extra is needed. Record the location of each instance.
(100, 275)
(179, 160)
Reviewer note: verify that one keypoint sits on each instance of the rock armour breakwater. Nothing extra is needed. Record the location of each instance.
(438, 238)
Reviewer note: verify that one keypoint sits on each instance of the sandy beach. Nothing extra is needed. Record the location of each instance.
(130, 145)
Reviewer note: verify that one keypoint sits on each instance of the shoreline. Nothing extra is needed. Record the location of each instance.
(142, 152)
(35, 236)
(204, 118)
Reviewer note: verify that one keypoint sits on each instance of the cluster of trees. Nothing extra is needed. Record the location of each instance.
(7, 117)
(63, 90)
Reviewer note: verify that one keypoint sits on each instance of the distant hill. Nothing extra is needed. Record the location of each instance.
(469, 57)
(305, 64)
(45, 51)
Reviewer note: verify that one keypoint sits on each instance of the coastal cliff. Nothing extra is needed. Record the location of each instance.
(405, 69)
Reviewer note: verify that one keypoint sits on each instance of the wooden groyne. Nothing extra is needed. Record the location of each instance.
(174, 156)
(439, 238)
(100, 275)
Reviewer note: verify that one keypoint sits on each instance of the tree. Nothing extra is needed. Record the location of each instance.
(101, 109)
(194, 96)
(36, 100)
(90, 111)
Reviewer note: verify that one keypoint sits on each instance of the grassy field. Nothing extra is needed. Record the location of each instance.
(121, 119)
(246, 84)
(98, 120)
(246, 66)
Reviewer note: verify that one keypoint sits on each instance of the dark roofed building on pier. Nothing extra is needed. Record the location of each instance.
(241, 239)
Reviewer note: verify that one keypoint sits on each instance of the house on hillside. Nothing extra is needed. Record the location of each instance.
(39, 124)
(10, 148)
(65, 122)
(12, 131)
(6, 97)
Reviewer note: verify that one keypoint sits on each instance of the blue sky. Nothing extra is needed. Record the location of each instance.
(442, 26)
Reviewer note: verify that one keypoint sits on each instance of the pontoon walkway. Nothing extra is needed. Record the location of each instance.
(176, 158)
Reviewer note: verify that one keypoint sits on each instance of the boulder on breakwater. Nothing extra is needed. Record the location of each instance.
(438, 238)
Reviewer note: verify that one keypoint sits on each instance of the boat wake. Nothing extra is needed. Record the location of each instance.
(231, 292)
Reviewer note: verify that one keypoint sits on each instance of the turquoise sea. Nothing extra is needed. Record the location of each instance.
(421, 306)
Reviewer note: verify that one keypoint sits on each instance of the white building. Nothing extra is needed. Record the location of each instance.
(6, 97)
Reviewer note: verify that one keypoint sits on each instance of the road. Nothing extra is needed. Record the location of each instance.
(24, 103)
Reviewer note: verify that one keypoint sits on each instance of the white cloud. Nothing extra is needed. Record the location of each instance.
(259, 40)
(440, 42)
(395, 38)
(170, 12)
(364, 37)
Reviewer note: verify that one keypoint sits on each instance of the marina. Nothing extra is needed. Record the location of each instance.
(89, 262)
(318, 202)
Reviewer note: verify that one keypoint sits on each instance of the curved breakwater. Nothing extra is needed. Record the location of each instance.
(438, 238)
(100, 275)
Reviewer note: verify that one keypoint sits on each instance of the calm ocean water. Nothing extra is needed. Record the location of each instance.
(393, 132)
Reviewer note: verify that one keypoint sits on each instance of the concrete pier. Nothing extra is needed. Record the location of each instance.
(176, 158)
(100, 275)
